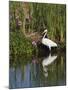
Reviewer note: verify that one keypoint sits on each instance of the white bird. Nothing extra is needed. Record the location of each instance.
(49, 43)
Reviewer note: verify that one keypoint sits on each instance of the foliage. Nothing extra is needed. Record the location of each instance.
(19, 44)
(40, 15)
(35, 16)
(51, 16)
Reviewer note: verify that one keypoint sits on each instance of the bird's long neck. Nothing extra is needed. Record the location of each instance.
(44, 35)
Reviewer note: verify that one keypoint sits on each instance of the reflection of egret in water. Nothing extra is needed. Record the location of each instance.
(47, 61)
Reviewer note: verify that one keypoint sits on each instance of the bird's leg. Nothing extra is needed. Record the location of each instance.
(49, 48)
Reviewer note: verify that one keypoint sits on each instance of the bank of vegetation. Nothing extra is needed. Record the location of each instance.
(27, 18)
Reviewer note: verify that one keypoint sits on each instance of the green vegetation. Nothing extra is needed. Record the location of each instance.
(26, 24)
(19, 44)
(26, 18)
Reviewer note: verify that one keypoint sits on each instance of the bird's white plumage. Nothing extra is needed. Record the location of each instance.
(48, 42)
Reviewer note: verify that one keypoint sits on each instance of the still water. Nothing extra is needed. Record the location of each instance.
(38, 71)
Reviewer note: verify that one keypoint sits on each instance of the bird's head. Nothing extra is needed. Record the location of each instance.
(45, 31)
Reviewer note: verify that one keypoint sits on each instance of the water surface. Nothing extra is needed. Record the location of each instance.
(42, 71)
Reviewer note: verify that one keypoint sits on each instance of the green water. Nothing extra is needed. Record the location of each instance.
(37, 71)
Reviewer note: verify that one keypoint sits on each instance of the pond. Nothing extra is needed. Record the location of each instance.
(38, 71)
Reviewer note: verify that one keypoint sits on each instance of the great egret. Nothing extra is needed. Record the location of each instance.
(49, 43)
